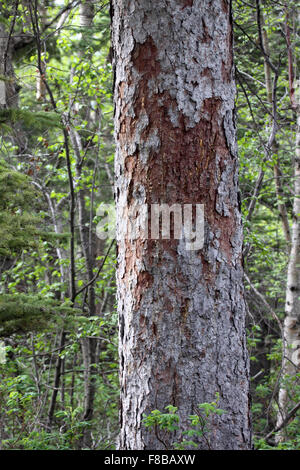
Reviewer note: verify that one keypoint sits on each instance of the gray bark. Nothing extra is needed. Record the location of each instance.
(181, 313)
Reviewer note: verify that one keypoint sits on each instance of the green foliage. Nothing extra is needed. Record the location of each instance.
(36, 238)
(18, 223)
(24, 312)
(197, 433)
(166, 421)
(266, 249)
(39, 120)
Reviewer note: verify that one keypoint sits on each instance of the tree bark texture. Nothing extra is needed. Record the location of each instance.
(181, 313)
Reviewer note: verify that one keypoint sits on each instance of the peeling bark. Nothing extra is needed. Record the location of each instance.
(181, 313)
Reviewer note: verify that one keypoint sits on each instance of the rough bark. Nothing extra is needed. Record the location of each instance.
(181, 313)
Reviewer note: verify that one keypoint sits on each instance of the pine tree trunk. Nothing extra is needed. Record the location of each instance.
(181, 312)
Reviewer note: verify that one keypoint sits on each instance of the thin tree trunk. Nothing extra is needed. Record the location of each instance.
(86, 13)
(275, 147)
(291, 360)
(181, 312)
(8, 85)
(9, 88)
(88, 243)
(56, 385)
(40, 83)
(291, 336)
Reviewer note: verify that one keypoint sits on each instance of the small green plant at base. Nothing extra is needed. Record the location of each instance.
(199, 427)
(166, 421)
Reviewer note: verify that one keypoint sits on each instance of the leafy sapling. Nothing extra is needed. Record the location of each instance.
(199, 427)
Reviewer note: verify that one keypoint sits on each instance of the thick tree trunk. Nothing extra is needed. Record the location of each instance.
(181, 312)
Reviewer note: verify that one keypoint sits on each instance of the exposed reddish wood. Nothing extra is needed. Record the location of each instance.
(187, 3)
(183, 170)
(225, 5)
(206, 36)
